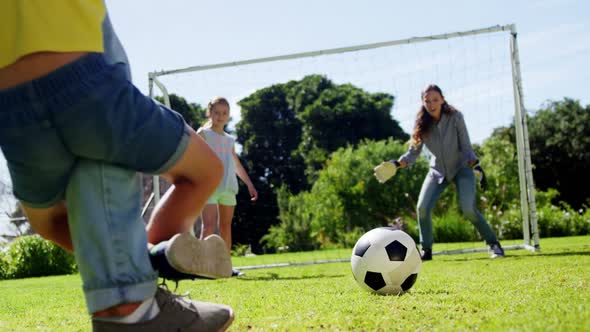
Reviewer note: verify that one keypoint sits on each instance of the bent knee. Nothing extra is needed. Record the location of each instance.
(198, 164)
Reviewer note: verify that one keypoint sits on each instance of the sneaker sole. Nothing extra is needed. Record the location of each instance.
(229, 321)
(205, 258)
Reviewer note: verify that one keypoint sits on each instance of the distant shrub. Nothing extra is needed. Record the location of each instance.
(3, 266)
(453, 227)
(32, 256)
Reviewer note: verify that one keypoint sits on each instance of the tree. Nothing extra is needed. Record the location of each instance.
(286, 129)
(559, 135)
(193, 114)
(269, 132)
(343, 115)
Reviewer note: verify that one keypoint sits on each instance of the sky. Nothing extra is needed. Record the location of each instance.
(553, 40)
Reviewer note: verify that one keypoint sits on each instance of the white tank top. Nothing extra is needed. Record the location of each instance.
(223, 145)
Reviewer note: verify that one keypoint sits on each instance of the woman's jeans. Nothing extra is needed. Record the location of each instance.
(429, 195)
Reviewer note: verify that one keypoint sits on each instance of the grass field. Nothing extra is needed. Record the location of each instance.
(545, 291)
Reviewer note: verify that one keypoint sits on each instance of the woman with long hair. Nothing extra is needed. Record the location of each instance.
(441, 129)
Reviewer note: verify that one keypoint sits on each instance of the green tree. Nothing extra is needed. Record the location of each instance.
(287, 127)
(193, 114)
(342, 115)
(559, 137)
(269, 132)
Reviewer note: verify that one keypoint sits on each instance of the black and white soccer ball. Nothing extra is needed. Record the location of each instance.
(386, 261)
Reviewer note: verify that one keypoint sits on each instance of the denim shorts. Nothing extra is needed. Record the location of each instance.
(87, 109)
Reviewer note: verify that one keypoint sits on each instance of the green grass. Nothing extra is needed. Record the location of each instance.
(545, 291)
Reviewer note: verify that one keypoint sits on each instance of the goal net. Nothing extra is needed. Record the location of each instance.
(478, 71)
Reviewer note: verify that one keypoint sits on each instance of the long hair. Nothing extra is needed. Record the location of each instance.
(210, 105)
(424, 120)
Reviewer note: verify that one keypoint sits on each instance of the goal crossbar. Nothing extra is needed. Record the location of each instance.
(338, 50)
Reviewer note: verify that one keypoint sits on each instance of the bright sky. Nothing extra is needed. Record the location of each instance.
(553, 36)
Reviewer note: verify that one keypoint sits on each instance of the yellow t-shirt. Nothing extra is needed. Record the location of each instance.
(29, 26)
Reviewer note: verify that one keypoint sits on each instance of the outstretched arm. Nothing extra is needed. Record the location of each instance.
(243, 175)
(409, 158)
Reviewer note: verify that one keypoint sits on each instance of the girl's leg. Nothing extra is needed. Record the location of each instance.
(429, 194)
(226, 214)
(465, 181)
(209, 217)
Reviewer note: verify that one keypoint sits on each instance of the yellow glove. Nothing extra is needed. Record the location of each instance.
(385, 170)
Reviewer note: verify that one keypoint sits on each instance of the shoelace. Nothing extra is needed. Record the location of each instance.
(182, 300)
(165, 285)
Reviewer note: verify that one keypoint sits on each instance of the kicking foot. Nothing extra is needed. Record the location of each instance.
(187, 257)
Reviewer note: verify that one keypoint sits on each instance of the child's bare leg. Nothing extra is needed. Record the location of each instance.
(195, 177)
(226, 214)
(52, 224)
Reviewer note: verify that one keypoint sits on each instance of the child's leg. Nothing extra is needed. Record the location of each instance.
(103, 210)
(209, 217)
(109, 235)
(52, 224)
(226, 214)
(194, 176)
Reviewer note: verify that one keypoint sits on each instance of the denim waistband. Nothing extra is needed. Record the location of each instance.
(46, 87)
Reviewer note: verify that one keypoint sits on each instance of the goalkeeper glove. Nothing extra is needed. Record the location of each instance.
(480, 175)
(386, 170)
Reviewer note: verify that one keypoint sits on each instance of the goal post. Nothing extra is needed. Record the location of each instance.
(527, 191)
(527, 188)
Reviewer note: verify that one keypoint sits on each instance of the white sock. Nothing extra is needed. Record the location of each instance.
(147, 310)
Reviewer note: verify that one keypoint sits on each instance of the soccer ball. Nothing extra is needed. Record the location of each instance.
(385, 261)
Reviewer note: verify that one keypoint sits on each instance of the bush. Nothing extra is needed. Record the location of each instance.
(453, 227)
(294, 232)
(32, 256)
(3, 266)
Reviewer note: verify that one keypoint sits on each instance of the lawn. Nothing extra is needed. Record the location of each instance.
(544, 291)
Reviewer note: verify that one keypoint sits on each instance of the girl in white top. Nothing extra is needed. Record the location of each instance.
(220, 207)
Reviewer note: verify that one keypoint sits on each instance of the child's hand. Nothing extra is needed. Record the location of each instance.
(253, 193)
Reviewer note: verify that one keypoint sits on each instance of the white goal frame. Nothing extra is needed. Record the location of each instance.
(527, 190)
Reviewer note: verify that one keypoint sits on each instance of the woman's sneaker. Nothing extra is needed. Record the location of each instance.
(177, 313)
(184, 256)
(496, 250)
(426, 254)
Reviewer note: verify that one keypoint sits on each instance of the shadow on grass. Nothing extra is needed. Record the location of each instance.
(520, 256)
(276, 276)
(549, 254)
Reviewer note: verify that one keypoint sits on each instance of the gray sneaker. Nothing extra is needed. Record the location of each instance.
(206, 258)
(177, 314)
